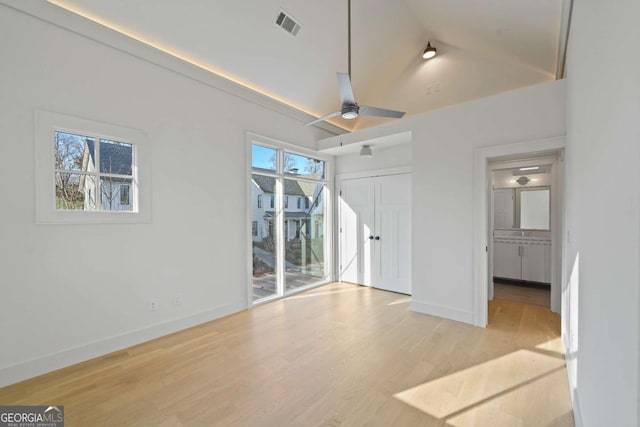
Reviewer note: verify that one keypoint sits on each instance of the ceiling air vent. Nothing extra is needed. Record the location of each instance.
(288, 23)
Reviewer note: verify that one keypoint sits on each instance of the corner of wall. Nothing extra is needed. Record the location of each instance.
(442, 311)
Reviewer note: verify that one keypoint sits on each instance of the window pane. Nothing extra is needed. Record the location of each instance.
(304, 235)
(115, 194)
(295, 164)
(263, 236)
(70, 155)
(75, 192)
(264, 158)
(116, 157)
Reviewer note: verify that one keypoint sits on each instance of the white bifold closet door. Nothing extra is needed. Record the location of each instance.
(375, 235)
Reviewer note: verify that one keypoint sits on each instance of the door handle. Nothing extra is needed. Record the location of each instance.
(377, 237)
(370, 237)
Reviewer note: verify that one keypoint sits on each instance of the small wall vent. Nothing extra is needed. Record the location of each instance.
(287, 23)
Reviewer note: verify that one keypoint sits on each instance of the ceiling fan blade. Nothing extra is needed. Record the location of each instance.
(320, 119)
(346, 91)
(380, 112)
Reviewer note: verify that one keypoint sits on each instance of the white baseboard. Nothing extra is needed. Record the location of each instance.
(442, 311)
(573, 390)
(577, 413)
(51, 362)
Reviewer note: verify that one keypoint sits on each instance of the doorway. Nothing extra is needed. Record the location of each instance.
(483, 239)
(374, 231)
(524, 218)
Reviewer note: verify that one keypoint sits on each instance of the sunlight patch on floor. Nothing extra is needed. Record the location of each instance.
(495, 392)
(400, 301)
(332, 292)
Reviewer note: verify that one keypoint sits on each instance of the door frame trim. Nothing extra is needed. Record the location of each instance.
(481, 193)
(372, 173)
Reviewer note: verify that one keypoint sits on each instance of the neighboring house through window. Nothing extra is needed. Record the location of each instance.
(259, 201)
(86, 170)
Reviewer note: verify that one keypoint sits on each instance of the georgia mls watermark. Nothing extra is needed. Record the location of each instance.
(32, 416)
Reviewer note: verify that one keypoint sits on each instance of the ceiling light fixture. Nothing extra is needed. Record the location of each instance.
(349, 111)
(429, 52)
(530, 168)
(366, 151)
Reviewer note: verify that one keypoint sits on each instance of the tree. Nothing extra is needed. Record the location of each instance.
(289, 161)
(314, 166)
(68, 153)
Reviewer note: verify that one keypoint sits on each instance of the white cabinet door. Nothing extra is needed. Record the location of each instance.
(391, 267)
(375, 232)
(503, 208)
(506, 260)
(536, 262)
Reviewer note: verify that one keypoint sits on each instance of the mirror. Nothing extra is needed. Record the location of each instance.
(522, 208)
(534, 208)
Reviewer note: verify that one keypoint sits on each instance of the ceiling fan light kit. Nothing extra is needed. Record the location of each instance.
(349, 112)
(350, 109)
(429, 52)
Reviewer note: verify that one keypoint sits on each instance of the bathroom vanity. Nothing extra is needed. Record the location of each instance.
(522, 235)
(522, 255)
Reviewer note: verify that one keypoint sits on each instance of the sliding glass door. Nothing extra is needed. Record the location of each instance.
(288, 221)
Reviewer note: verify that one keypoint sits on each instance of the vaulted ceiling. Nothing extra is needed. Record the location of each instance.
(484, 47)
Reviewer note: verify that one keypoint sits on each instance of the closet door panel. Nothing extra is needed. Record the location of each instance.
(356, 226)
(392, 243)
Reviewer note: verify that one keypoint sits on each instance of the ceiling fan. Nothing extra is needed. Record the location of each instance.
(350, 108)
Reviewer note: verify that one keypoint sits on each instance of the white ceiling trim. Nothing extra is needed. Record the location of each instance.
(95, 31)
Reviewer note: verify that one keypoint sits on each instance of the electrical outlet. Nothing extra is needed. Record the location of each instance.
(177, 300)
(154, 304)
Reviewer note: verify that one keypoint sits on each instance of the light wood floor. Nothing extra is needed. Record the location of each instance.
(340, 355)
(522, 294)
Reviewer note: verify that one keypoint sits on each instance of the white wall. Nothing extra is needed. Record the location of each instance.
(603, 210)
(73, 292)
(383, 158)
(443, 214)
(443, 183)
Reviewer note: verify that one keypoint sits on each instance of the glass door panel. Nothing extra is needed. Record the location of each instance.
(288, 224)
(263, 232)
(304, 233)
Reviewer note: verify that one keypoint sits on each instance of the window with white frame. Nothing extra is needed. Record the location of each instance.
(290, 249)
(89, 172)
